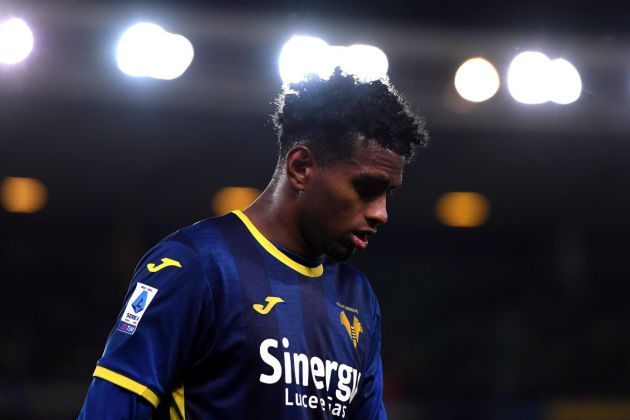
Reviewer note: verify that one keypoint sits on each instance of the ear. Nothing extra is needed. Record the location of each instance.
(300, 161)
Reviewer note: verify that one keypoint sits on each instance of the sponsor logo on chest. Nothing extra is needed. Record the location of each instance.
(300, 369)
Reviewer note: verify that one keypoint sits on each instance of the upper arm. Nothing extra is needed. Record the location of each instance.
(164, 326)
(105, 400)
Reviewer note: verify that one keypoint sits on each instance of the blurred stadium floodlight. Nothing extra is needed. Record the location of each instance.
(533, 78)
(147, 50)
(304, 55)
(22, 195)
(16, 41)
(566, 82)
(477, 80)
(233, 198)
(462, 209)
(366, 62)
(528, 80)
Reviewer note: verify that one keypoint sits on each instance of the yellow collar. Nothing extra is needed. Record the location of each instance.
(279, 255)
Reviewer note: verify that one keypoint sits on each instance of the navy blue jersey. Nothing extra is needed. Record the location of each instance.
(220, 323)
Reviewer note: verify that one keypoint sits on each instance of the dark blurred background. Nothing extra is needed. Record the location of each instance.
(523, 317)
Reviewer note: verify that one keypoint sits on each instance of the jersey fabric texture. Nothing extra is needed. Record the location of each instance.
(220, 323)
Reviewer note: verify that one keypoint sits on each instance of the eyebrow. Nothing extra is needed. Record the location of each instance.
(377, 179)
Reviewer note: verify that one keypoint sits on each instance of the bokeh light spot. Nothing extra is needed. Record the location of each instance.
(535, 79)
(366, 62)
(477, 80)
(16, 41)
(305, 55)
(462, 209)
(147, 50)
(23, 195)
(565, 82)
(528, 78)
(233, 198)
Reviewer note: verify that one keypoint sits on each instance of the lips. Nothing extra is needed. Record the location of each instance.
(360, 240)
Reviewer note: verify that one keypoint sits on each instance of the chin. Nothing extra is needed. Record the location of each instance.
(340, 253)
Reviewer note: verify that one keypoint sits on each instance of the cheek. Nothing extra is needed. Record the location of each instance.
(334, 204)
(339, 196)
(340, 210)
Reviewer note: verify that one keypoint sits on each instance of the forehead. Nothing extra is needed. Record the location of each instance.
(371, 159)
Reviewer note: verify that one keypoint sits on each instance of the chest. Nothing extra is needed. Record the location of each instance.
(298, 315)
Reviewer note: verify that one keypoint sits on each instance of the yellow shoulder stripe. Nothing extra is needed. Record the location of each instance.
(178, 407)
(270, 248)
(128, 384)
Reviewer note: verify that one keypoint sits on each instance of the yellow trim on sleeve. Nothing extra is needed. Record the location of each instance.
(178, 407)
(279, 255)
(128, 384)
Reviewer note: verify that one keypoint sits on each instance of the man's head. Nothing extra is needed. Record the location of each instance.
(328, 115)
(343, 147)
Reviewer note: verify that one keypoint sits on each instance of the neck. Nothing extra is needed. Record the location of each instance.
(275, 215)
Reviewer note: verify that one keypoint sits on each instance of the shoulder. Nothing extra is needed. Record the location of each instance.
(349, 273)
(198, 241)
(184, 254)
(356, 287)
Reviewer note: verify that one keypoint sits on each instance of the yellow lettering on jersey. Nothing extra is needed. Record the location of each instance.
(271, 302)
(166, 262)
(347, 308)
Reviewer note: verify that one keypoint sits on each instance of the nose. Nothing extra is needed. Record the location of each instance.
(376, 211)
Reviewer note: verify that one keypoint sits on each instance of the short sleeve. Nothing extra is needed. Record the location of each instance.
(107, 401)
(164, 326)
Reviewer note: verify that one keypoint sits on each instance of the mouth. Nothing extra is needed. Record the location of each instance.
(360, 239)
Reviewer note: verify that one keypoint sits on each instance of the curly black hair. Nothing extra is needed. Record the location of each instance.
(328, 115)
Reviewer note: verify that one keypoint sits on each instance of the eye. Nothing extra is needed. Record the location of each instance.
(367, 189)
(392, 190)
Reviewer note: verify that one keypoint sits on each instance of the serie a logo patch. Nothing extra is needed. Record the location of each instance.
(136, 307)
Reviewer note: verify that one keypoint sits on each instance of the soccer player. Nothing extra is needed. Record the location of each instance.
(255, 314)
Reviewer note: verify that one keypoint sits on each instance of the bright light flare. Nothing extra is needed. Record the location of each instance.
(477, 80)
(16, 41)
(366, 62)
(304, 55)
(301, 56)
(147, 50)
(336, 56)
(528, 78)
(565, 82)
(533, 78)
